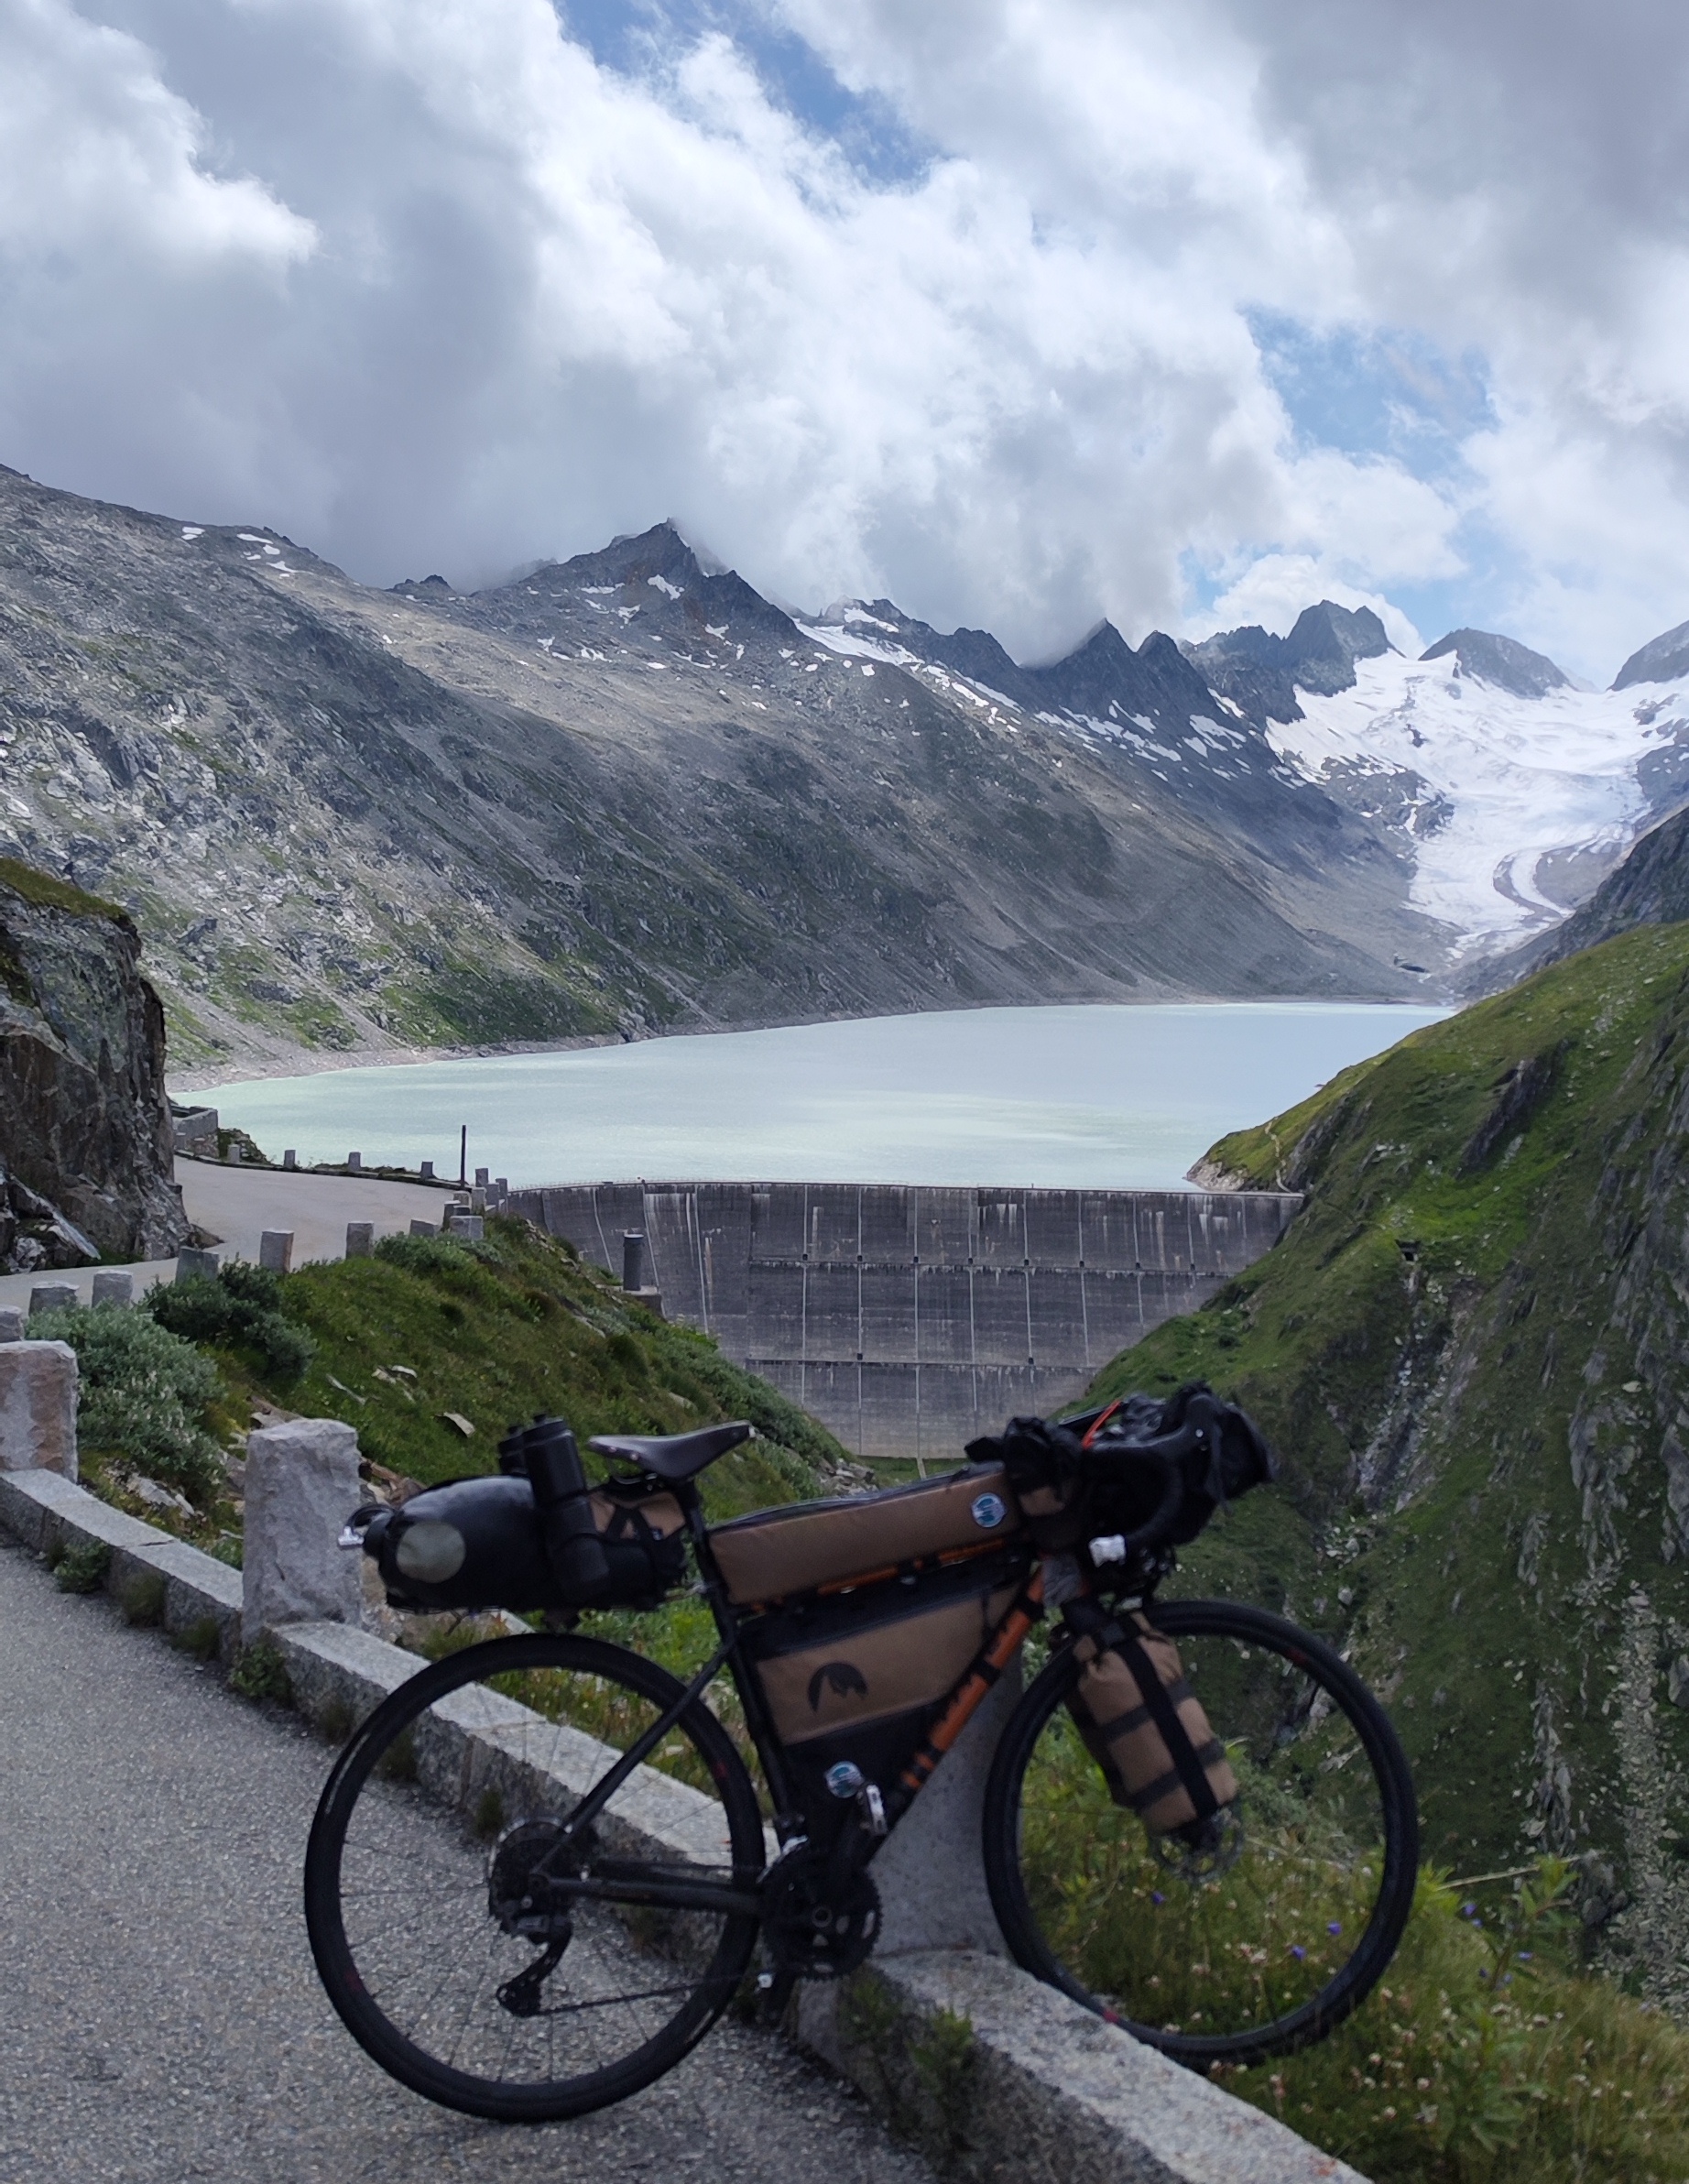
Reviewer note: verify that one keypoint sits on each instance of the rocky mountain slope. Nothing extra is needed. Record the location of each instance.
(624, 794)
(85, 1159)
(1470, 1349)
(1651, 887)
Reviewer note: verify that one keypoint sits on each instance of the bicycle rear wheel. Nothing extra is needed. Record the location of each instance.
(479, 1948)
(1262, 1941)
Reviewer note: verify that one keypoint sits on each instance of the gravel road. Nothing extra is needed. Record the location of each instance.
(159, 2018)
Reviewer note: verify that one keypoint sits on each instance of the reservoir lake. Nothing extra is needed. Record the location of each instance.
(1105, 1098)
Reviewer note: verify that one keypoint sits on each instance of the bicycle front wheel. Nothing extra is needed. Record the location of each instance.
(490, 1951)
(1258, 1940)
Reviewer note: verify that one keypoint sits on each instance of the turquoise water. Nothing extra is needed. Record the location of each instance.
(1107, 1097)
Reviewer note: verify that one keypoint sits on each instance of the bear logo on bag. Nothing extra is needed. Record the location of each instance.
(836, 1675)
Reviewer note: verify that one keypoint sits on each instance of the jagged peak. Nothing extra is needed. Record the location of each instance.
(1501, 661)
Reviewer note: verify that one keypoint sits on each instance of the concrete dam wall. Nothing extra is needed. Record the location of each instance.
(910, 1318)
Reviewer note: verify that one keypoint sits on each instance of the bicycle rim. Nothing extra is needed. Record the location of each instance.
(1268, 1939)
(446, 1950)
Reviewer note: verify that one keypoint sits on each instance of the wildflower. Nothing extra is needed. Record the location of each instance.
(1156, 1897)
(1298, 1952)
(1336, 1927)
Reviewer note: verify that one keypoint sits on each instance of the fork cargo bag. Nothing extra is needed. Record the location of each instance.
(476, 1543)
(780, 1552)
(1146, 1728)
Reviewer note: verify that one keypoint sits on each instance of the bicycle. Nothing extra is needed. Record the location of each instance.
(539, 1872)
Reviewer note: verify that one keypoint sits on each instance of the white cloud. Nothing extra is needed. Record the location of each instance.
(424, 284)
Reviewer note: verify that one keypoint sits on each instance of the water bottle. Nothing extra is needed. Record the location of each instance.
(573, 1544)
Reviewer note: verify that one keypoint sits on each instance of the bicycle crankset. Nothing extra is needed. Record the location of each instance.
(813, 1929)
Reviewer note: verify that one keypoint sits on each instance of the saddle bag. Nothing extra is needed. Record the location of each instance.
(778, 1553)
(1146, 1728)
(477, 1543)
(861, 1678)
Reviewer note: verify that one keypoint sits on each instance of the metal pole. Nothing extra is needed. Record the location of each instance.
(462, 1155)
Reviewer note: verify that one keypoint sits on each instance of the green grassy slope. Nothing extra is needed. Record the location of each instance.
(1472, 1350)
(495, 1332)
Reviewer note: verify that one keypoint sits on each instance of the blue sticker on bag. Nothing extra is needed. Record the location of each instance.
(989, 1510)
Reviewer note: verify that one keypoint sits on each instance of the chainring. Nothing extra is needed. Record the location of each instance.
(815, 1932)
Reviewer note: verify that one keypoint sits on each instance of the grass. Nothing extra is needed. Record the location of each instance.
(495, 1332)
(1466, 1352)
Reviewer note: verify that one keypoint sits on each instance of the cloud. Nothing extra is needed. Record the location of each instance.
(1021, 310)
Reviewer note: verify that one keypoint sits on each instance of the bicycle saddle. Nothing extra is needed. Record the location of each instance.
(675, 1457)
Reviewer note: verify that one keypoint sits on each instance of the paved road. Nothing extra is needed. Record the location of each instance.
(238, 1204)
(160, 2022)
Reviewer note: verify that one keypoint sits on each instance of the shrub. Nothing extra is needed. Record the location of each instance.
(142, 1598)
(83, 1568)
(425, 1254)
(144, 1394)
(261, 1673)
(240, 1307)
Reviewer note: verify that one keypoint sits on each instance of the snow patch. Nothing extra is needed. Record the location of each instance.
(661, 584)
(194, 530)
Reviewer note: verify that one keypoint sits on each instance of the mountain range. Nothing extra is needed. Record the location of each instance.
(624, 794)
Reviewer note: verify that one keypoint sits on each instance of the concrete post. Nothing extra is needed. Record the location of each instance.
(426, 1171)
(477, 1199)
(424, 1228)
(276, 1249)
(354, 1160)
(113, 1285)
(236, 1153)
(501, 1189)
(302, 1486)
(37, 1408)
(468, 1228)
(481, 1179)
(52, 1296)
(360, 1238)
(189, 1263)
(291, 1158)
(11, 1323)
(633, 1262)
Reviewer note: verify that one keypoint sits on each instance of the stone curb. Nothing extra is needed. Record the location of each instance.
(1042, 2091)
(1051, 2092)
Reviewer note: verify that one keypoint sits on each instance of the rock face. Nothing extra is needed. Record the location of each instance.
(84, 1126)
(1501, 661)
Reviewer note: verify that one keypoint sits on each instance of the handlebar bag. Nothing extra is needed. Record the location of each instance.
(1076, 1477)
(777, 1552)
(476, 1543)
(1146, 1728)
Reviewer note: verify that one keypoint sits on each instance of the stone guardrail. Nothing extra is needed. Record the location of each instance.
(1039, 2088)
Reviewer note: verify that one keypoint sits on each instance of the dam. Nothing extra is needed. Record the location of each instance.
(909, 1319)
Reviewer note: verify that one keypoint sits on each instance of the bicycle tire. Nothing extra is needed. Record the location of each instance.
(1304, 1987)
(457, 1771)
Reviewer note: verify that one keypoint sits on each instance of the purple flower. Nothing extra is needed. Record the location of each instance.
(1524, 1956)
(1468, 1910)
(1336, 1927)
(1298, 1952)
(1156, 1897)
